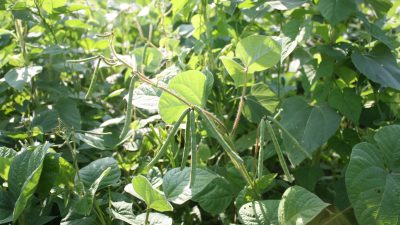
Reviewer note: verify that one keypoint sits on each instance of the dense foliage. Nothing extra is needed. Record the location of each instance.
(200, 112)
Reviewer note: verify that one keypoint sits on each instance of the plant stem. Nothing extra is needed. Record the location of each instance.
(39, 13)
(146, 221)
(291, 137)
(240, 107)
(279, 152)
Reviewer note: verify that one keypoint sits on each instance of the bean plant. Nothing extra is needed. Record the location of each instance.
(156, 112)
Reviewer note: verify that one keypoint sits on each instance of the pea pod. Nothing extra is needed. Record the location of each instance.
(169, 138)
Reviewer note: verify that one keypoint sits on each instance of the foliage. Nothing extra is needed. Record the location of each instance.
(199, 112)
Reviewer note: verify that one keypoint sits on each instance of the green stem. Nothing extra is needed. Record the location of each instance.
(290, 136)
(235, 158)
(146, 221)
(193, 143)
(260, 165)
(169, 138)
(279, 152)
(39, 13)
(128, 118)
(93, 80)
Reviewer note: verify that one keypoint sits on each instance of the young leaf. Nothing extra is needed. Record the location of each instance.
(154, 199)
(190, 85)
(299, 206)
(372, 178)
(237, 72)
(258, 52)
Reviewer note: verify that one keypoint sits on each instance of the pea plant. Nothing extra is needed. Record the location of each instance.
(156, 112)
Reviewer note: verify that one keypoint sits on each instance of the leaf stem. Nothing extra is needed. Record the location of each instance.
(279, 152)
(291, 137)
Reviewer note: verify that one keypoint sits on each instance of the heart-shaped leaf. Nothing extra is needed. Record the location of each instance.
(258, 52)
(373, 178)
(189, 85)
(299, 206)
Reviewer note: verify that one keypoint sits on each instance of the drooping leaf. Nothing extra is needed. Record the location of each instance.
(143, 190)
(259, 212)
(90, 173)
(335, 11)
(258, 52)
(312, 126)
(299, 206)
(17, 78)
(372, 178)
(379, 65)
(24, 176)
(189, 85)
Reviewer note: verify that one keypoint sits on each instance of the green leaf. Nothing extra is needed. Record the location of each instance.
(347, 102)
(76, 24)
(17, 78)
(299, 206)
(312, 126)
(259, 212)
(6, 207)
(376, 32)
(237, 72)
(335, 11)
(24, 176)
(258, 52)
(143, 190)
(146, 97)
(49, 174)
(261, 101)
(90, 173)
(122, 211)
(154, 219)
(152, 58)
(216, 197)
(286, 4)
(189, 85)
(379, 65)
(176, 184)
(6, 157)
(373, 178)
(68, 112)
(73, 218)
